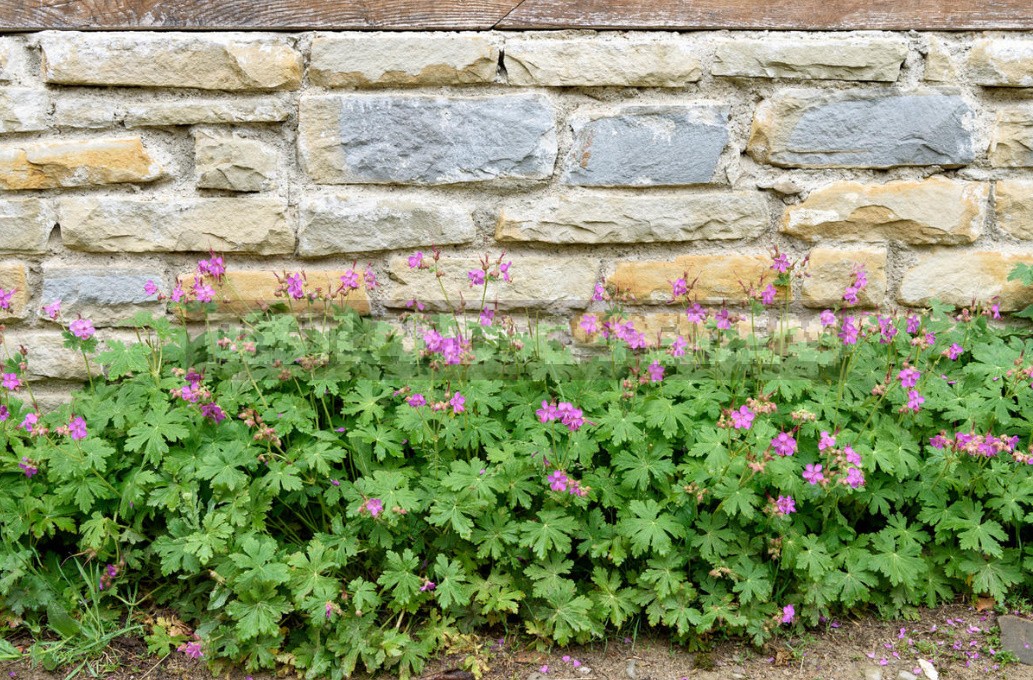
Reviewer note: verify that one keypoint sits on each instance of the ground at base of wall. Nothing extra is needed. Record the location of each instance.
(839, 650)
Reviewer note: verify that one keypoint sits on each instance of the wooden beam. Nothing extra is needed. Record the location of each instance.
(299, 15)
(940, 15)
(282, 15)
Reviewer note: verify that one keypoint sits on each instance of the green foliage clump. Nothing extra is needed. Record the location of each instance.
(327, 492)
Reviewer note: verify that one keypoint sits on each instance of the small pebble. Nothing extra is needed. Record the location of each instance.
(872, 674)
(928, 670)
(905, 675)
(629, 670)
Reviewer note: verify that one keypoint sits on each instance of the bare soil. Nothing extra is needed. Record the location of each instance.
(959, 641)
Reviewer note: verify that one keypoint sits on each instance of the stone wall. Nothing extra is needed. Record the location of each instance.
(634, 157)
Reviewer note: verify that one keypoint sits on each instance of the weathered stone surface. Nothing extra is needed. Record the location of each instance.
(939, 65)
(207, 111)
(854, 57)
(232, 163)
(601, 60)
(381, 139)
(5, 57)
(76, 163)
(1017, 637)
(537, 282)
(79, 112)
(1002, 62)
(934, 210)
(809, 129)
(113, 224)
(14, 62)
(648, 146)
(332, 225)
(207, 61)
(1012, 145)
(400, 59)
(242, 291)
(720, 277)
(608, 218)
(831, 270)
(961, 277)
(48, 358)
(25, 225)
(1014, 206)
(107, 296)
(13, 277)
(22, 109)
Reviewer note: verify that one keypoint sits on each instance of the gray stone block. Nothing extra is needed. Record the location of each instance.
(380, 139)
(858, 130)
(1017, 637)
(103, 295)
(648, 146)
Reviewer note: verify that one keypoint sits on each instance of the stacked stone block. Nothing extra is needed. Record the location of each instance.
(631, 158)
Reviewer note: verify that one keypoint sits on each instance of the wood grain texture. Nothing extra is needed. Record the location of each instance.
(773, 14)
(214, 15)
(32, 15)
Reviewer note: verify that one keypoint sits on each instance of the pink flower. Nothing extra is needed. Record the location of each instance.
(570, 416)
(77, 428)
(827, 318)
(722, 319)
(848, 334)
(457, 403)
(202, 291)
(416, 400)
(150, 288)
(678, 347)
(788, 613)
(427, 586)
(914, 401)
(913, 322)
(854, 478)
(589, 324)
(827, 441)
(374, 506)
(679, 287)
(177, 292)
(504, 270)
(213, 412)
(476, 277)
(785, 505)
(850, 295)
(696, 314)
(350, 280)
(296, 286)
(954, 351)
(812, 474)
(213, 267)
(416, 260)
(784, 444)
(909, 377)
(557, 480)
(5, 298)
(30, 421)
(191, 649)
(329, 610)
(487, 317)
(370, 277)
(780, 263)
(656, 371)
(4, 413)
(82, 328)
(743, 418)
(547, 413)
(11, 381)
(852, 456)
(599, 293)
(767, 296)
(53, 310)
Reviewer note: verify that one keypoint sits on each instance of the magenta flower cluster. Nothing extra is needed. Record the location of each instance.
(565, 412)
